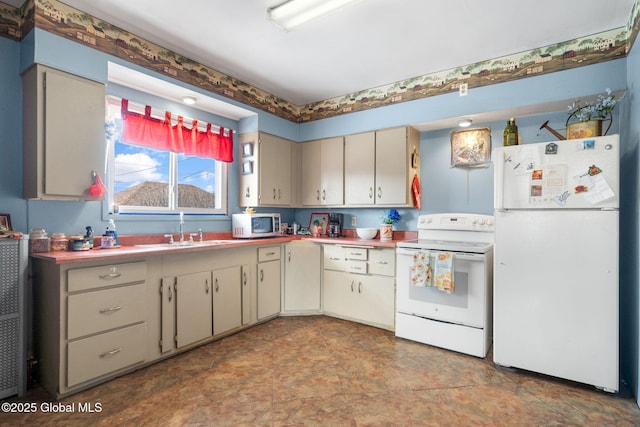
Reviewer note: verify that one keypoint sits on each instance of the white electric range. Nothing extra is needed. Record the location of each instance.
(460, 320)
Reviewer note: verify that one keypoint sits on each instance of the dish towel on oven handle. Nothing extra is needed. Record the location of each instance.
(421, 270)
(443, 272)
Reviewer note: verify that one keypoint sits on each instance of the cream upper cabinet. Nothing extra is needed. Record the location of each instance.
(380, 167)
(359, 169)
(63, 134)
(274, 166)
(265, 170)
(323, 172)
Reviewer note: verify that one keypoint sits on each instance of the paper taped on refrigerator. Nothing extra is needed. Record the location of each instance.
(573, 174)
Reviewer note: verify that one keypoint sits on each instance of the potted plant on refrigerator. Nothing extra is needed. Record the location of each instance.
(585, 121)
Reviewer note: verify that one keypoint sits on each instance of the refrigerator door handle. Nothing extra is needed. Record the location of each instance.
(498, 182)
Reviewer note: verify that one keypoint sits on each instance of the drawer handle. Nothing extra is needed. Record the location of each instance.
(270, 253)
(382, 262)
(356, 268)
(335, 259)
(110, 353)
(112, 309)
(355, 253)
(110, 276)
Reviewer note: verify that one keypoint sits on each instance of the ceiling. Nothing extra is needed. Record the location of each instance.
(365, 45)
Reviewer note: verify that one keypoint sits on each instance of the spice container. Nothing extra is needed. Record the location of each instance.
(59, 242)
(38, 241)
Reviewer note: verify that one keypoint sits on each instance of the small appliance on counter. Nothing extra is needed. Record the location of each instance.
(255, 225)
(335, 225)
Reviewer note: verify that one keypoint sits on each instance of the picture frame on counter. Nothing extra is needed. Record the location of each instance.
(5, 222)
(321, 219)
(247, 167)
(247, 149)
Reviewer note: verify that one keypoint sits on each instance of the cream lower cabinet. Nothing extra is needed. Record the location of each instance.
(302, 282)
(359, 284)
(194, 308)
(227, 299)
(90, 322)
(268, 281)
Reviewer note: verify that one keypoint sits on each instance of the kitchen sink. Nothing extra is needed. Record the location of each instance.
(187, 244)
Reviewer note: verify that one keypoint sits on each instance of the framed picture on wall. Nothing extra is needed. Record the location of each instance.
(247, 167)
(5, 222)
(247, 149)
(471, 148)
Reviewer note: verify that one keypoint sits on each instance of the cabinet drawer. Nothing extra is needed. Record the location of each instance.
(333, 257)
(108, 275)
(268, 254)
(358, 267)
(95, 356)
(382, 262)
(355, 253)
(97, 311)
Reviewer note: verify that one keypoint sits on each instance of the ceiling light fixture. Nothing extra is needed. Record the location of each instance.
(189, 100)
(293, 13)
(465, 123)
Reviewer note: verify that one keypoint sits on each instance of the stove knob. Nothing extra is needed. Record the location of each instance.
(474, 221)
(489, 222)
(429, 220)
(481, 222)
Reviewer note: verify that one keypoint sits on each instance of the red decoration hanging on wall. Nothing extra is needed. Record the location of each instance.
(142, 129)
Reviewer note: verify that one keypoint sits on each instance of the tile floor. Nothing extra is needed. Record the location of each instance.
(321, 371)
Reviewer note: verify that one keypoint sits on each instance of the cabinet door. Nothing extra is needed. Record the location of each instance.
(359, 167)
(168, 314)
(194, 314)
(246, 294)
(391, 167)
(64, 138)
(302, 277)
(339, 294)
(311, 172)
(332, 171)
(227, 299)
(274, 171)
(268, 289)
(376, 300)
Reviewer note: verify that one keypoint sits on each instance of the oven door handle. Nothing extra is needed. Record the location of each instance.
(456, 255)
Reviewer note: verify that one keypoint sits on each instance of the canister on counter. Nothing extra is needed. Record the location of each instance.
(59, 242)
(38, 241)
(79, 242)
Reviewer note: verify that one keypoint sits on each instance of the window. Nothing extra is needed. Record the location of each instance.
(147, 180)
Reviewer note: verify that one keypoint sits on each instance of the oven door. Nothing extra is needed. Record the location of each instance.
(467, 305)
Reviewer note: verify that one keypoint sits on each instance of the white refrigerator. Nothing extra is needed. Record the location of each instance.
(556, 259)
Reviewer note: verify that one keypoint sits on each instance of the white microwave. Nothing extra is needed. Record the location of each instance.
(255, 225)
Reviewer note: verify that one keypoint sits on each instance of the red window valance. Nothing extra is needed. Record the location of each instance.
(142, 129)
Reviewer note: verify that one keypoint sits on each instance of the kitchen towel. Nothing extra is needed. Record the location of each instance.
(421, 270)
(443, 272)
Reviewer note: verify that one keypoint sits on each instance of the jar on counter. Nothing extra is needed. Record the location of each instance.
(79, 243)
(59, 242)
(38, 241)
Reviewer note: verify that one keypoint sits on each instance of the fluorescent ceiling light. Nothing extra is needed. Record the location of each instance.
(292, 13)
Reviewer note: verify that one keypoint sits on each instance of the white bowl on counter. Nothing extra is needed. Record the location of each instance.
(366, 233)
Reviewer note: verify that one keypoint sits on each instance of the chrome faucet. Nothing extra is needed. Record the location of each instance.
(181, 226)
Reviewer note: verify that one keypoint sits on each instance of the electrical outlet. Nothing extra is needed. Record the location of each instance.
(464, 89)
(353, 221)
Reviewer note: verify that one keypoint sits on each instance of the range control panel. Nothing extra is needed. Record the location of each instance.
(457, 222)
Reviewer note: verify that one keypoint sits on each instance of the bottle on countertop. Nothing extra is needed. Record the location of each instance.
(89, 235)
(510, 133)
(112, 224)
